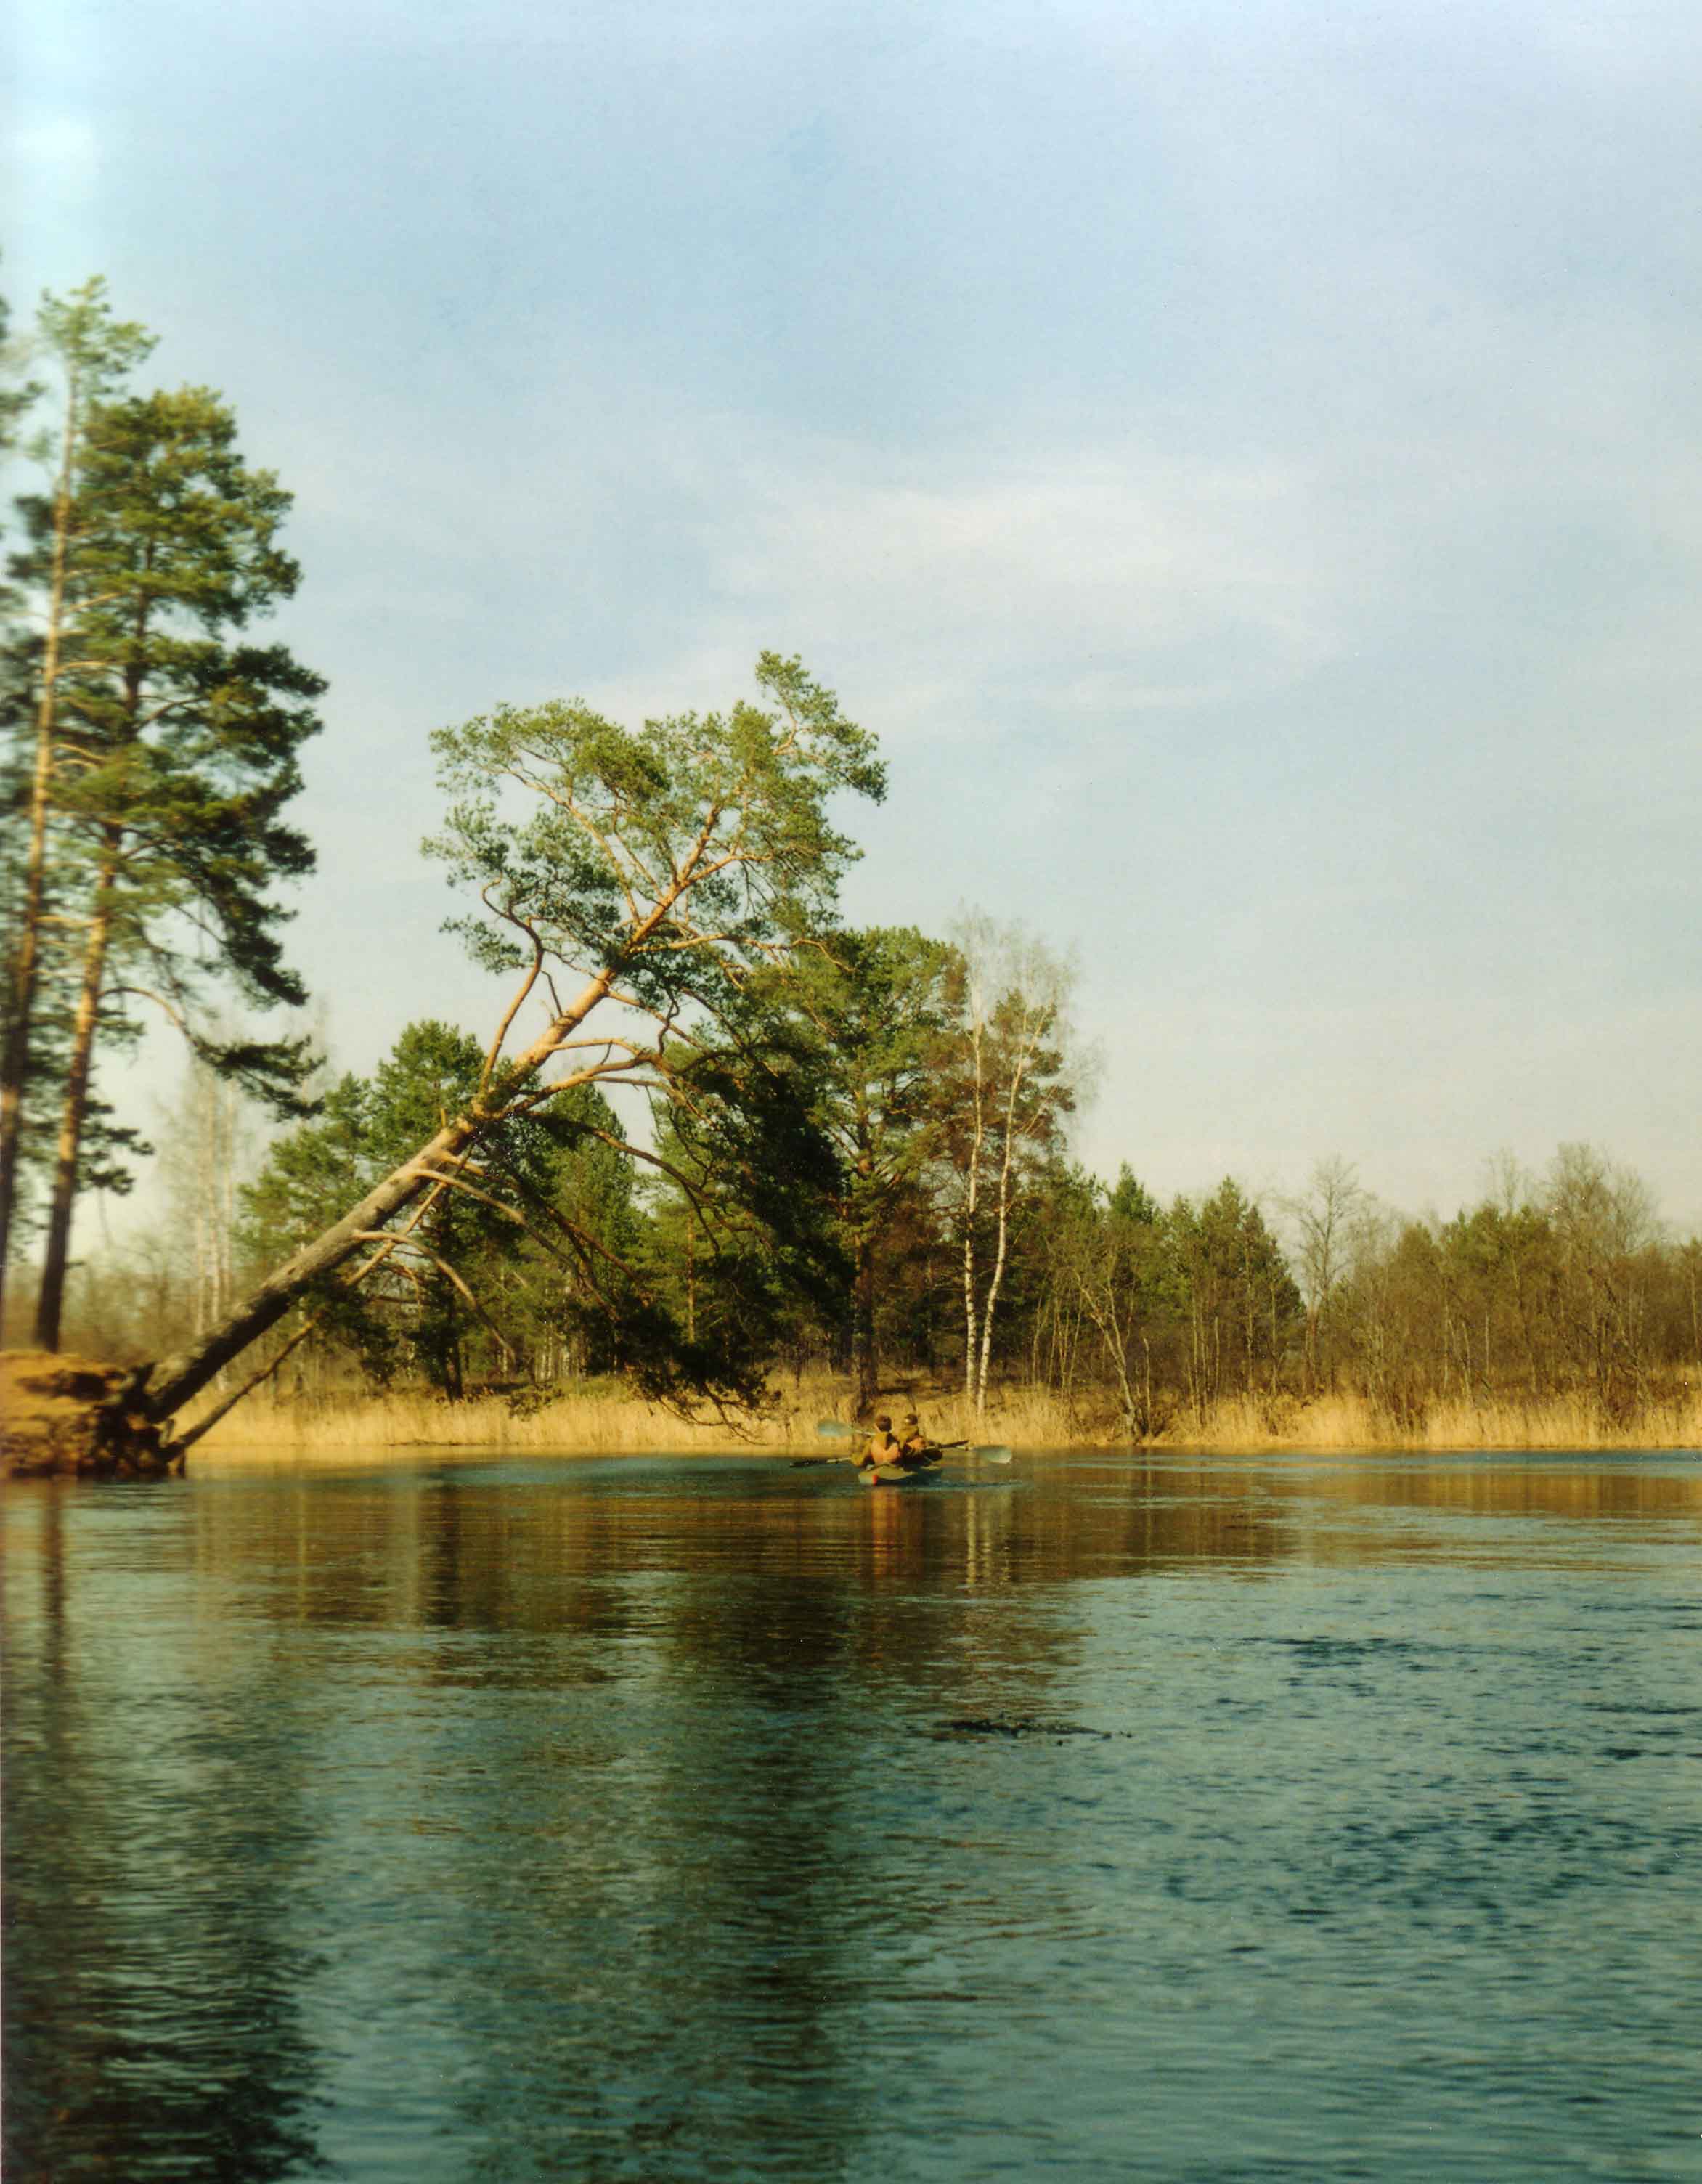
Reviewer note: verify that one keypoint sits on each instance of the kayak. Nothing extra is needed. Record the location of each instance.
(898, 1475)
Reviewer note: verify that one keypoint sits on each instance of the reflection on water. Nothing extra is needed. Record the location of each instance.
(1094, 1818)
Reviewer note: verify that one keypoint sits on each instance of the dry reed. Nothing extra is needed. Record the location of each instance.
(1343, 1423)
(608, 1420)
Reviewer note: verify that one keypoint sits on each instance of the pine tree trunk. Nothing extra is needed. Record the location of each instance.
(14, 1068)
(176, 1379)
(14, 1064)
(866, 1358)
(56, 1252)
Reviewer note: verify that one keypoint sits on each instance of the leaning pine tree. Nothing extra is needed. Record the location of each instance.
(631, 883)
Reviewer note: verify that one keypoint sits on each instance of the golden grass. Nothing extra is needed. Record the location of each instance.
(590, 1425)
(604, 1420)
(1343, 1423)
(607, 1420)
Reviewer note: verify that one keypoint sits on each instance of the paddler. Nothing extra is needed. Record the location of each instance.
(912, 1442)
(883, 1448)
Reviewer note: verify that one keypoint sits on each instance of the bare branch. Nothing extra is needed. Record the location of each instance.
(445, 1268)
(494, 1052)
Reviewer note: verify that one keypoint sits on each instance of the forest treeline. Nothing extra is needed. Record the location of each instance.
(1137, 1317)
(713, 1136)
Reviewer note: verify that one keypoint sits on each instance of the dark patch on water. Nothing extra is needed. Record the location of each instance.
(1015, 1725)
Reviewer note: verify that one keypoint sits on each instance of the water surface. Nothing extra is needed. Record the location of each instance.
(697, 1819)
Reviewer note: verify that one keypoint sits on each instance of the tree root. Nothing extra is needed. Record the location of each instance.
(75, 1417)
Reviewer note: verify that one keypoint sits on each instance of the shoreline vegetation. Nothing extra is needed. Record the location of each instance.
(608, 1422)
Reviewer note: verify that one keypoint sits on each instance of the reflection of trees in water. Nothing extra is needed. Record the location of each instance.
(151, 1993)
(691, 1842)
(471, 1551)
(1337, 1512)
(1592, 1490)
(661, 1843)
(658, 1890)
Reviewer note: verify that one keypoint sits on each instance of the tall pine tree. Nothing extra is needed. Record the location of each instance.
(89, 352)
(174, 745)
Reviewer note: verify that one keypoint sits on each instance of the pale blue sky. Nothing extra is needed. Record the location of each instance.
(1242, 460)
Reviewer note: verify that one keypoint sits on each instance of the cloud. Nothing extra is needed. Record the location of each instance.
(1087, 567)
(55, 159)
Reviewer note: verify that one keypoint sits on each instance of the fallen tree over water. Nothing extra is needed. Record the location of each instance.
(653, 872)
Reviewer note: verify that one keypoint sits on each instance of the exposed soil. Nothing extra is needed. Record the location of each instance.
(76, 1415)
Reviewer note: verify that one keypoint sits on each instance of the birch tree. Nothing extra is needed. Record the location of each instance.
(1604, 1226)
(1007, 1091)
(207, 1150)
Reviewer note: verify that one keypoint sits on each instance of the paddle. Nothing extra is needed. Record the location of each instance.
(828, 1429)
(983, 1452)
(837, 1429)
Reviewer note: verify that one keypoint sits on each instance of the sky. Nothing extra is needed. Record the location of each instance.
(1241, 456)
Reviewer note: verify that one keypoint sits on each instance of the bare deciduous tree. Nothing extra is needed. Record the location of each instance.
(1323, 1217)
(1008, 1094)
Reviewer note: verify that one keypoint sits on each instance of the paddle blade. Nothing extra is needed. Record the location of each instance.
(992, 1455)
(834, 1429)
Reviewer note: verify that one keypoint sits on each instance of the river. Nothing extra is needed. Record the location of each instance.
(468, 1822)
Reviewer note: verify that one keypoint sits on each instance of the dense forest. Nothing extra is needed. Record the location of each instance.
(715, 1135)
(1135, 1315)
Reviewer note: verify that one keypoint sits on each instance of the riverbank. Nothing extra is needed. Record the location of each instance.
(609, 1421)
(80, 1417)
